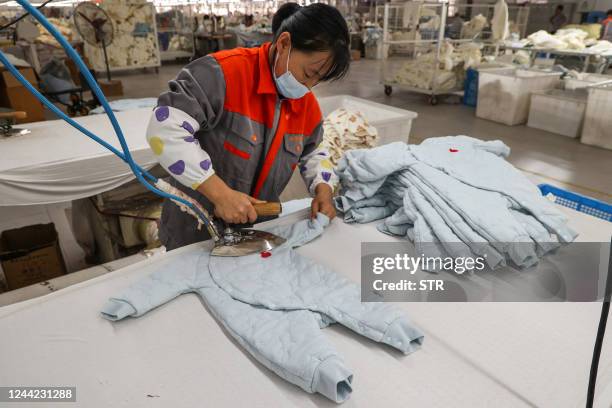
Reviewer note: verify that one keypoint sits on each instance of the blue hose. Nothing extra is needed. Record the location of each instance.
(93, 85)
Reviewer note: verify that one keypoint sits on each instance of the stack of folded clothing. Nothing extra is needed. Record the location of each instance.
(347, 130)
(452, 196)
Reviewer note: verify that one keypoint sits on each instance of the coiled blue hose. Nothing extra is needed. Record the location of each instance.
(95, 88)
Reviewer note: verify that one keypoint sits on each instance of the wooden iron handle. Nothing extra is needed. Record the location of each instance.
(267, 209)
(13, 114)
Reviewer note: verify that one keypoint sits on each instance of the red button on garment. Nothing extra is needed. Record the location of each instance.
(265, 254)
(453, 150)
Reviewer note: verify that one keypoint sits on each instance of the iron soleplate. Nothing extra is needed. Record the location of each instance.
(246, 242)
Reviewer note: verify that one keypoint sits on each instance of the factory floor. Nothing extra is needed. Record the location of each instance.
(545, 156)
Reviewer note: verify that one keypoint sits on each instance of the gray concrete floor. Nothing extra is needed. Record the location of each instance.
(545, 156)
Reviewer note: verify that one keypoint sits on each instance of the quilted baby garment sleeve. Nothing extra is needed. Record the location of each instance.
(170, 280)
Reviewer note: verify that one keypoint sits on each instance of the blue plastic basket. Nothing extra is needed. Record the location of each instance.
(594, 17)
(470, 94)
(578, 202)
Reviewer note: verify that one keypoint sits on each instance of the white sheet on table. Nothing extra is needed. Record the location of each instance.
(56, 163)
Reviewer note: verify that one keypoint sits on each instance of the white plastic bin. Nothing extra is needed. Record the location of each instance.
(504, 94)
(393, 125)
(585, 81)
(597, 130)
(558, 111)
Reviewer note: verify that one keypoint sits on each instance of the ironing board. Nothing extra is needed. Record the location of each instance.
(474, 355)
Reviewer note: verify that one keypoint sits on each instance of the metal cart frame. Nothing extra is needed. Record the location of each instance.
(436, 43)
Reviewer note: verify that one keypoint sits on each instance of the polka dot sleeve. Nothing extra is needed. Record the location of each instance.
(316, 167)
(171, 136)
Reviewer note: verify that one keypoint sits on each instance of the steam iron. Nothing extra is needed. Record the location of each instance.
(8, 118)
(239, 241)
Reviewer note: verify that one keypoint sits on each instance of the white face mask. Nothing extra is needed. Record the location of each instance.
(287, 85)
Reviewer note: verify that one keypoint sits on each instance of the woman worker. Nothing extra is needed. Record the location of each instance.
(236, 123)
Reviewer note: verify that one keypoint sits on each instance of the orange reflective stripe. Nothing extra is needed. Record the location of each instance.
(270, 157)
(236, 151)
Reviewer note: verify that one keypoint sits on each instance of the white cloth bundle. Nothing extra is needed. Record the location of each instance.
(564, 39)
(499, 23)
(602, 47)
(419, 73)
(474, 27)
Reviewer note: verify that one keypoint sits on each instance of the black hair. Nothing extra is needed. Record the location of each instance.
(317, 27)
(609, 12)
(560, 7)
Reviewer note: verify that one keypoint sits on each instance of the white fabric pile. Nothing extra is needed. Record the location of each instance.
(543, 39)
(499, 23)
(420, 72)
(345, 130)
(567, 39)
(602, 47)
(179, 42)
(474, 27)
(574, 39)
(522, 58)
(467, 53)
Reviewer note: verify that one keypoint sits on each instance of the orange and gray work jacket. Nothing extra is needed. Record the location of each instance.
(224, 115)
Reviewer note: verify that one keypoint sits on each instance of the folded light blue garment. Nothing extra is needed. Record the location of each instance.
(275, 307)
(459, 194)
(368, 209)
(482, 165)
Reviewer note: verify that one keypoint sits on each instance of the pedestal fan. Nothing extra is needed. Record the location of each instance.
(95, 27)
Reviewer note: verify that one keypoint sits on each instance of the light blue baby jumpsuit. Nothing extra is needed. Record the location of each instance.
(275, 307)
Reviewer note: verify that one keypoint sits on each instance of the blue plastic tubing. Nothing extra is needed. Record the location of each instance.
(95, 88)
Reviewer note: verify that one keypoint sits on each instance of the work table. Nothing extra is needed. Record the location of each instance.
(474, 354)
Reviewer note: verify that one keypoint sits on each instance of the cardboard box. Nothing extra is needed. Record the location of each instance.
(20, 99)
(7, 80)
(355, 55)
(112, 88)
(13, 95)
(30, 255)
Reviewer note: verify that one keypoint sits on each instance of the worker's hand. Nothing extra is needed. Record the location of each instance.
(231, 206)
(236, 207)
(323, 202)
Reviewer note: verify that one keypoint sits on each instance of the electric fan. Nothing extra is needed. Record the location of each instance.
(95, 27)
